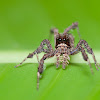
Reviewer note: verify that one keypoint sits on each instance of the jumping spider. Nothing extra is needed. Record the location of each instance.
(64, 46)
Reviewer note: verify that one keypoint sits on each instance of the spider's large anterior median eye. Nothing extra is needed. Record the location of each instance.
(59, 39)
(64, 39)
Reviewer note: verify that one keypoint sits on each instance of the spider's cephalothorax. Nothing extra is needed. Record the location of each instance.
(64, 46)
(60, 38)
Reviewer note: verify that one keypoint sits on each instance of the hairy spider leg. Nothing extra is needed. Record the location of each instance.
(89, 50)
(57, 63)
(39, 50)
(85, 57)
(71, 38)
(55, 31)
(40, 68)
(37, 58)
(73, 26)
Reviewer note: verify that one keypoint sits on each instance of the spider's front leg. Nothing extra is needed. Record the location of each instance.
(39, 50)
(89, 50)
(40, 68)
(73, 26)
(55, 32)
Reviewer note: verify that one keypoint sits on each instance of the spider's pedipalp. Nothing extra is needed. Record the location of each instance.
(57, 63)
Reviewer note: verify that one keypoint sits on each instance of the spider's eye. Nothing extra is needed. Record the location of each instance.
(64, 39)
(59, 39)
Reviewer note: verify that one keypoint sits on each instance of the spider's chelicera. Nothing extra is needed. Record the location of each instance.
(64, 46)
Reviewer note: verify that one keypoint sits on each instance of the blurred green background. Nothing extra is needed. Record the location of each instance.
(23, 25)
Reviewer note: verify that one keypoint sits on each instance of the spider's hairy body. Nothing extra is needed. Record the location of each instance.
(64, 46)
(63, 49)
(62, 58)
(62, 54)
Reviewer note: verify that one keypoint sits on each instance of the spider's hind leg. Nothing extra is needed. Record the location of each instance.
(85, 57)
(89, 50)
(39, 50)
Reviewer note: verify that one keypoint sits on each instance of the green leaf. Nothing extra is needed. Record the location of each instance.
(74, 83)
